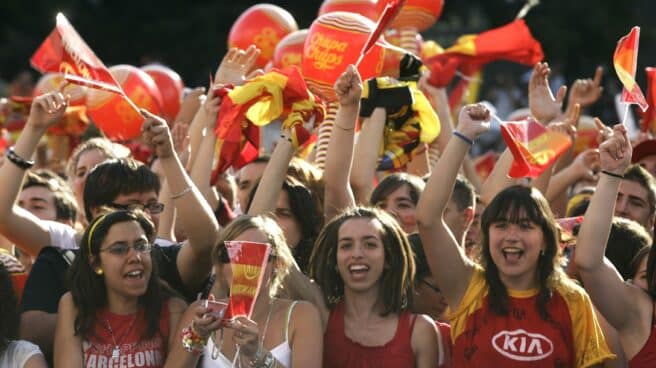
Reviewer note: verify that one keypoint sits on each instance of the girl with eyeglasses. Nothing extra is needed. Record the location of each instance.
(117, 313)
(280, 332)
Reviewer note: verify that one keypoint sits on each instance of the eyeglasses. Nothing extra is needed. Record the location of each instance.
(122, 249)
(153, 208)
(431, 286)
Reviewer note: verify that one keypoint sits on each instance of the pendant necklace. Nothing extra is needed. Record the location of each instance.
(116, 352)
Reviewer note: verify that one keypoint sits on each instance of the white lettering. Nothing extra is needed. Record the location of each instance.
(509, 343)
(139, 359)
(539, 346)
(535, 347)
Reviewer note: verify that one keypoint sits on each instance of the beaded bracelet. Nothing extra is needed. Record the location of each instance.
(463, 137)
(192, 341)
(15, 159)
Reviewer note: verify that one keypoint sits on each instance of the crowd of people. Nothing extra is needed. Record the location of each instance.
(433, 268)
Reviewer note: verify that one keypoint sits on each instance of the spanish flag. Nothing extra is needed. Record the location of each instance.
(247, 262)
(648, 122)
(278, 94)
(534, 148)
(511, 42)
(625, 61)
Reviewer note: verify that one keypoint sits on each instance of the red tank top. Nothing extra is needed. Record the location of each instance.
(113, 330)
(646, 357)
(340, 351)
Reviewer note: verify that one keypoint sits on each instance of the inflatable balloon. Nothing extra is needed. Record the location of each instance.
(334, 41)
(366, 8)
(112, 114)
(393, 56)
(262, 25)
(170, 87)
(289, 50)
(415, 14)
(53, 81)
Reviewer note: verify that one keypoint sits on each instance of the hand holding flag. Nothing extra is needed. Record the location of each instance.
(615, 152)
(390, 11)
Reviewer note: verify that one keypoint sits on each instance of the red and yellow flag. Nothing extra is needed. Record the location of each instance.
(648, 122)
(247, 262)
(485, 164)
(625, 61)
(511, 42)
(534, 148)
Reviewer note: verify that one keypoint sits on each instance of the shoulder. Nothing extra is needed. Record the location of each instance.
(423, 325)
(19, 351)
(302, 312)
(424, 333)
(66, 300)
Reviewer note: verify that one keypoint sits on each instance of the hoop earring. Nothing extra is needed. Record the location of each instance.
(99, 271)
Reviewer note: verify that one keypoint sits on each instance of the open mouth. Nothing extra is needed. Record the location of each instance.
(136, 274)
(512, 254)
(358, 270)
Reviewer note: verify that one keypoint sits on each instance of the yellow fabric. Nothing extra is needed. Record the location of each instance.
(464, 45)
(268, 107)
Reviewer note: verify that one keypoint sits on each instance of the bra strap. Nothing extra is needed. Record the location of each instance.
(289, 316)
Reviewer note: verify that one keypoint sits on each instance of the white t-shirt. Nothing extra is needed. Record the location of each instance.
(61, 235)
(17, 354)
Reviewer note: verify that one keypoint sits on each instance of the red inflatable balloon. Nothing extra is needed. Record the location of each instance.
(333, 42)
(290, 50)
(112, 114)
(366, 8)
(262, 25)
(170, 87)
(416, 14)
(53, 81)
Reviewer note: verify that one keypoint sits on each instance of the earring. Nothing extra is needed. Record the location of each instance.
(541, 252)
(99, 271)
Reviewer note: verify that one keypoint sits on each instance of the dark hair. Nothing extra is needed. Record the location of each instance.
(9, 317)
(640, 175)
(510, 205)
(393, 182)
(422, 270)
(65, 204)
(464, 194)
(626, 239)
(304, 210)
(89, 290)
(114, 177)
(396, 281)
(639, 256)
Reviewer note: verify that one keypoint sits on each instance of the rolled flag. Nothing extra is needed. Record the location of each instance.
(512, 42)
(247, 262)
(66, 52)
(391, 10)
(625, 61)
(648, 122)
(534, 148)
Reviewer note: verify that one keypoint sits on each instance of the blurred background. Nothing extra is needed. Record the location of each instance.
(190, 37)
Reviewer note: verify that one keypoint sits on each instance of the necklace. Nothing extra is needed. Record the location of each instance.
(116, 352)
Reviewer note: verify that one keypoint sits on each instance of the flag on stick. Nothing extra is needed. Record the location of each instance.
(625, 61)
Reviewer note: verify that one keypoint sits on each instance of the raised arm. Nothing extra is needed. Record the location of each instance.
(338, 194)
(22, 228)
(445, 256)
(194, 213)
(365, 156)
(618, 302)
(266, 195)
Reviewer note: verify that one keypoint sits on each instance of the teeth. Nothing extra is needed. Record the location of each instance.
(512, 250)
(134, 273)
(358, 268)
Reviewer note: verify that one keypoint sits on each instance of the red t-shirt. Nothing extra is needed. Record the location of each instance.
(126, 332)
(571, 337)
(444, 359)
(646, 357)
(340, 351)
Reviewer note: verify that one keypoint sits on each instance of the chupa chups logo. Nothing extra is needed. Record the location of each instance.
(522, 346)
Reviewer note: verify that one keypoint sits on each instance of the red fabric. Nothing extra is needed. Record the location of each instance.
(391, 10)
(646, 357)
(625, 60)
(127, 331)
(339, 351)
(247, 262)
(487, 334)
(511, 42)
(445, 332)
(648, 121)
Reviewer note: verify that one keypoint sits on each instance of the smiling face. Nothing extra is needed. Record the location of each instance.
(126, 275)
(360, 254)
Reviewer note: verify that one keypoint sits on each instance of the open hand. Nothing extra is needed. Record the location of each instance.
(349, 87)
(236, 66)
(544, 107)
(586, 164)
(615, 152)
(474, 120)
(47, 110)
(569, 122)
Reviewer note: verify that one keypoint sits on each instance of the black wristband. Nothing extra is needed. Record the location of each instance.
(612, 174)
(17, 160)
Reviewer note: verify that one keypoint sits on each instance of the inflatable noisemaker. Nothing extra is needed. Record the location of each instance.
(113, 115)
(393, 57)
(170, 88)
(335, 40)
(366, 8)
(248, 260)
(415, 16)
(262, 25)
(289, 50)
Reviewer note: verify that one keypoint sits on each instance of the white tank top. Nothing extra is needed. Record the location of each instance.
(282, 352)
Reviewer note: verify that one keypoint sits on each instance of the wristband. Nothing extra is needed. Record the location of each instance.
(15, 159)
(612, 174)
(463, 137)
(192, 341)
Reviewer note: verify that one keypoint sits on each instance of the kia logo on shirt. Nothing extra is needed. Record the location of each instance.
(522, 346)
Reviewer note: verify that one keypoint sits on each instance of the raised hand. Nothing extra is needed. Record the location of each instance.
(605, 131)
(349, 87)
(190, 105)
(156, 134)
(544, 107)
(585, 92)
(47, 110)
(569, 122)
(586, 164)
(474, 120)
(236, 66)
(210, 108)
(615, 152)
